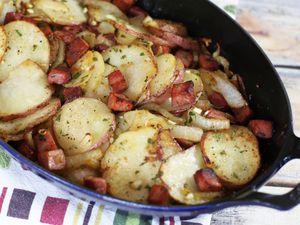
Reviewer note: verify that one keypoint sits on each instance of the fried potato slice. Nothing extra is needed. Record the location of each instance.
(14, 127)
(24, 91)
(136, 119)
(24, 41)
(82, 125)
(137, 65)
(126, 167)
(166, 67)
(177, 174)
(3, 42)
(90, 158)
(67, 12)
(233, 154)
(101, 10)
(103, 89)
(87, 72)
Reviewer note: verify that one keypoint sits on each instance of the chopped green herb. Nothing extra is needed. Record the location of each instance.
(235, 175)
(95, 59)
(19, 33)
(105, 119)
(76, 75)
(107, 61)
(223, 152)
(151, 141)
(137, 172)
(34, 47)
(123, 36)
(58, 118)
(123, 57)
(142, 54)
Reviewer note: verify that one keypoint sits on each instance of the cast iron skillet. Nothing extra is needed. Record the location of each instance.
(268, 99)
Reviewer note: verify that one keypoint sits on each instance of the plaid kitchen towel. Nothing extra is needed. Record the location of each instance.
(26, 199)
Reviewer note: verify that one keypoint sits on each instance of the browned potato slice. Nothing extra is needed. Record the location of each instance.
(87, 71)
(82, 125)
(3, 42)
(24, 41)
(66, 12)
(136, 119)
(90, 158)
(233, 154)
(194, 76)
(136, 63)
(166, 67)
(24, 91)
(101, 10)
(167, 144)
(14, 127)
(103, 89)
(130, 166)
(177, 173)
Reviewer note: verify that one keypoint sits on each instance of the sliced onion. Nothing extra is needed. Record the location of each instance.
(187, 133)
(231, 94)
(207, 124)
(157, 108)
(60, 57)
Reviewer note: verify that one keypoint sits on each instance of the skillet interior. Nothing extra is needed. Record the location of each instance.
(266, 93)
(268, 97)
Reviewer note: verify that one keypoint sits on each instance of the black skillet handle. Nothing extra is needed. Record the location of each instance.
(282, 202)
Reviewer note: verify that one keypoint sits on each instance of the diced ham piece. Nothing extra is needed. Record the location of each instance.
(261, 128)
(52, 160)
(124, 5)
(159, 195)
(136, 11)
(59, 75)
(25, 150)
(45, 28)
(12, 16)
(243, 114)
(65, 36)
(183, 94)
(216, 114)
(98, 184)
(172, 27)
(186, 57)
(73, 29)
(101, 47)
(44, 140)
(75, 50)
(208, 63)
(30, 20)
(119, 102)
(185, 144)
(217, 100)
(207, 180)
(72, 93)
(185, 43)
(117, 82)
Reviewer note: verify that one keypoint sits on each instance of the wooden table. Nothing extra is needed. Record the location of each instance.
(275, 24)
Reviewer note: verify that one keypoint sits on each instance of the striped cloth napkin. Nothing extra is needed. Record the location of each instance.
(26, 199)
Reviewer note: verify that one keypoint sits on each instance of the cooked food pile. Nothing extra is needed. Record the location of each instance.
(108, 97)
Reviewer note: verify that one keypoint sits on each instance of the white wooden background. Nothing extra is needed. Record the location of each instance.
(275, 24)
